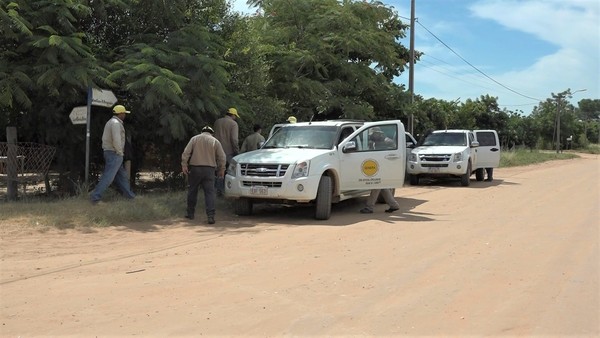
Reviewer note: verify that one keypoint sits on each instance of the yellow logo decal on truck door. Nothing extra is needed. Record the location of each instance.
(370, 167)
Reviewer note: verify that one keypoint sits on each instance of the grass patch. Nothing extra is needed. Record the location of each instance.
(527, 157)
(79, 212)
(592, 148)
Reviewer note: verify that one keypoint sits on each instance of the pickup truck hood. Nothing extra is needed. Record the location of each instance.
(280, 155)
(439, 150)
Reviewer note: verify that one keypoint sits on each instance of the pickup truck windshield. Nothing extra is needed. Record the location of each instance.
(445, 139)
(313, 137)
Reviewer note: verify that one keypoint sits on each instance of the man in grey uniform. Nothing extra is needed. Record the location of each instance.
(201, 157)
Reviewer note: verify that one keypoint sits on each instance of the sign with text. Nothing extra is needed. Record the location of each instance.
(103, 97)
(79, 115)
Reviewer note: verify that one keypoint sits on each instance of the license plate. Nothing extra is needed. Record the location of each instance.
(258, 190)
(434, 170)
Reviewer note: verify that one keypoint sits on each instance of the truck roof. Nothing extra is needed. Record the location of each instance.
(451, 131)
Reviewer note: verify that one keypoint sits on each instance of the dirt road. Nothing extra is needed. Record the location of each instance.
(517, 256)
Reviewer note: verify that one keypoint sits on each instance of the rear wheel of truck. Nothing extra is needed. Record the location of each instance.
(479, 174)
(465, 179)
(413, 179)
(243, 206)
(323, 201)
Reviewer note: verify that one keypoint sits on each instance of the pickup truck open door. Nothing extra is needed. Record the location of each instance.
(488, 152)
(366, 164)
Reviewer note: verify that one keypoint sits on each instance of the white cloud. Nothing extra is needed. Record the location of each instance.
(572, 26)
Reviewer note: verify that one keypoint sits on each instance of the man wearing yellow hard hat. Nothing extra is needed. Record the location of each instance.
(227, 132)
(113, 144)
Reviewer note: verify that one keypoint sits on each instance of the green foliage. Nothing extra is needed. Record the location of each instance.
(326, 53)
(178, 65)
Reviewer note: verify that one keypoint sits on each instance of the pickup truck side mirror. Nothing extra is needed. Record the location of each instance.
(474, 144)
(410, 145)
(349, 147)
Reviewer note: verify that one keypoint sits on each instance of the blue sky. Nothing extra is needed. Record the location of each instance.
(529, 48)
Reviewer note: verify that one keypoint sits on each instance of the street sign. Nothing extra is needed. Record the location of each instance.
(103, 97)
(79, 115)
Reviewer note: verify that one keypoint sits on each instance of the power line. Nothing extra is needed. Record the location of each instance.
(477, 69)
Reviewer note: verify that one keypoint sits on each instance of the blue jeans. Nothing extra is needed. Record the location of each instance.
(113, 171)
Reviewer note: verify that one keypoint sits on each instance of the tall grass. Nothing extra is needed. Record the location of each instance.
(527, 157)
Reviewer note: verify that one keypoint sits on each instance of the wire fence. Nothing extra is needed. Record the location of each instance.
(24, 162)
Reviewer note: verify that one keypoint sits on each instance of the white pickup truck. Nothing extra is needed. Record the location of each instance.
(319, 163)
(454, 153)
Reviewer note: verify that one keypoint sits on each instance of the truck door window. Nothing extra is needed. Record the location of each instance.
(486, 138)
(383, 137)
(345, 133)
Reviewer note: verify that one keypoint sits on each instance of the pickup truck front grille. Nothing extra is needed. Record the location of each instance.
(264, 184)
(434, 165)
(436, 157)
(263, 170)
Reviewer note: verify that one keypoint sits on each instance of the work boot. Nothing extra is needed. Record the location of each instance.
(366, 210)
(211, 219)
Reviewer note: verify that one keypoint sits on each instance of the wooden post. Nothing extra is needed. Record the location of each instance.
(11, 163)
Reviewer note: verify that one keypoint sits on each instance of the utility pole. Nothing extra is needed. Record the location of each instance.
(411, 70)
(559, 98)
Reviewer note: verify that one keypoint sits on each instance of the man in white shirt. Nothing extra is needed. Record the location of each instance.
(113, 144)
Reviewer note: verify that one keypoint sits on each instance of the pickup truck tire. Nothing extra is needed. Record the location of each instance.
(465, 179)
(413, 179)
(323, 201)
(243, 206)
(479, 173)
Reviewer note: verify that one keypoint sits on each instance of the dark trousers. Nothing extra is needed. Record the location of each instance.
(490, 173)
(205, 177)
(220, 182)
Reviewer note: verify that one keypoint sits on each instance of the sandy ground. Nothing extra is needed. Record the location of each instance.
(515, 257)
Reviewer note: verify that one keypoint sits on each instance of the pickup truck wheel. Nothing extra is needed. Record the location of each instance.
(381, 200)
(479, 174)
(414, 179)
(242, 206)
(323, 201)
(465, 179)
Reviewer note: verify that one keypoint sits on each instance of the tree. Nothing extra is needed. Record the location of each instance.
(327, 53)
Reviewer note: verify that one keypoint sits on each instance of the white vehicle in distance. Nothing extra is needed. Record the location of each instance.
(317, 163)
(454, 153)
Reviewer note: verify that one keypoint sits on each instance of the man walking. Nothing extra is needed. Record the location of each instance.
(113, 144)
(226, 131)
(201, 157)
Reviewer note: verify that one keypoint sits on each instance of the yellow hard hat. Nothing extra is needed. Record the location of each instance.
(292, 119)
(119, 109)
(233, 112)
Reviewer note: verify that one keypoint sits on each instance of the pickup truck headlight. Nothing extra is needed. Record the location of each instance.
(231, 168)
(412, 157)
(301, 169)
(458, 157)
